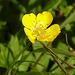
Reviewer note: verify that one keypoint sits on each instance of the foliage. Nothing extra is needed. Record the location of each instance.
(15, 48)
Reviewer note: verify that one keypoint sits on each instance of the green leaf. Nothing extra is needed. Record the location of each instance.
(52, 5)
(64, 52)
(21, 61)
(35, 73)
(38, 45)
(66, 10)
(3, 56)
(28, 73)
(14, 45)
(16, 58)
(34, 6)
(73, 39)
(39, 48)
(68, 27)
(63, 3)
(59, 51)
(23, 66)
(68, 20)
(19, 6)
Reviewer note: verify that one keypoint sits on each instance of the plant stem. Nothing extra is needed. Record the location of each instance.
(14, 61)
(31, 70)
(60, 65)
(55, 68)
(56, 55)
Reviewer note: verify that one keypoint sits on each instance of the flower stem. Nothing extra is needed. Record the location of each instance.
(56, 55)
(54, 68)
(60, 65)
(31, 70)
(55, 59)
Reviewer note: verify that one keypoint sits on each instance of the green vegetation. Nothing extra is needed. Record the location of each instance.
(18, 56)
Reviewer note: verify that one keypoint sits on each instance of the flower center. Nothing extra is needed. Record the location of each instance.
(38, 31)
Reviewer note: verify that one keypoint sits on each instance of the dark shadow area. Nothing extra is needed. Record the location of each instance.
(50, 65)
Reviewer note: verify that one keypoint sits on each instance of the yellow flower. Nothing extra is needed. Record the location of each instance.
(36, 27)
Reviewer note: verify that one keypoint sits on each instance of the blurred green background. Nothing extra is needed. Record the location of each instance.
(13, 38)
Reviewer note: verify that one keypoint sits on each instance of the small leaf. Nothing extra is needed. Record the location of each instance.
(65, 52)
(21, 61)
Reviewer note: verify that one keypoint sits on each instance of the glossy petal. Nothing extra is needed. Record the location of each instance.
(44, 19)
(51, 33)
(29, 20)
(29, 34)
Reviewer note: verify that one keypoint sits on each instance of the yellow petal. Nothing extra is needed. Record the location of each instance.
(44, 19)
(29, 34)
(51, 33)
(29, 20)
